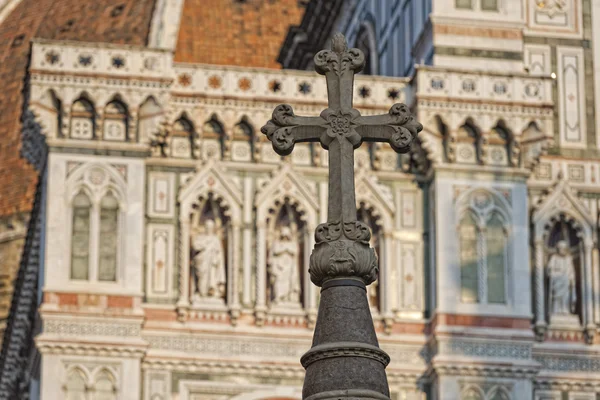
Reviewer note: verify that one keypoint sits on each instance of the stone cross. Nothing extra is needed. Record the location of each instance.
(340, 129)
(345, 360)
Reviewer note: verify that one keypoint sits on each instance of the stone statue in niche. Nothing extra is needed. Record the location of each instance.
(561, 289)
(283, 269)
(209, 263)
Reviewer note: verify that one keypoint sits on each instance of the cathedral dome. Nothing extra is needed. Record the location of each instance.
(232, 32)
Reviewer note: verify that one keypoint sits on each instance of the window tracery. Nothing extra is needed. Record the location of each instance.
(483, 242)
(96, 212)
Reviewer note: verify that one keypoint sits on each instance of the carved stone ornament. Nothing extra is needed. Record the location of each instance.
(342, 244)
(343, 252)
(342, 263)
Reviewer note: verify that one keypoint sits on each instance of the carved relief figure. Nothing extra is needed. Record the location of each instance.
(283, 269)
(561, 274)
(209, 263)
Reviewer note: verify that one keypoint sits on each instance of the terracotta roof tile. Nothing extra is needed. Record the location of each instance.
(112, 21)
(234, 32)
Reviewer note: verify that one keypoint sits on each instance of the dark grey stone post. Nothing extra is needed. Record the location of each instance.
(345, 361)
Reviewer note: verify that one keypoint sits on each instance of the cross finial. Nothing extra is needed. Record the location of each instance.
(340, 129)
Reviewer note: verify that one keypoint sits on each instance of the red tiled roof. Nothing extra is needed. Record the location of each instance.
(234, 32)
(111, 21)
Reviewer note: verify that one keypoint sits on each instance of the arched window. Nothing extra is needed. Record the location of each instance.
(499, 394)
(109, 221)
(468, 143)
(116, 121)
(96, 216)
(243, 145)
(104, 386)
(472, 393)
(182, 138)
(469, 259)
(213, 139)
(80, 237)
(365, 41)
(51, 113)
(83, 122)
(75, 386)
(483, 243)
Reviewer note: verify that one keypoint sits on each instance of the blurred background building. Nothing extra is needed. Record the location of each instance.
(153, 246)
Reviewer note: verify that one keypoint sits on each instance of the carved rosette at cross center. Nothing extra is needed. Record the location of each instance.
(342, 244)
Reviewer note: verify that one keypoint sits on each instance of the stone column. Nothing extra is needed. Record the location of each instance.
(595, 288)
(261, 273)
(588, 302)
(232, 284)
(540, 309)
(247, 243)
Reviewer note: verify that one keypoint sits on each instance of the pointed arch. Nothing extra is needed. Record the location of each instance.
(501, 145)
(105, 385)
(214, 138)
(499, 393)
(183, 139)
(49, 108)
(287, 183)
(366, 40)
(472, 392)
(244, 141)
(116, 120)
(469, 143)
(76, 383)
(484, 240)
(83, 118)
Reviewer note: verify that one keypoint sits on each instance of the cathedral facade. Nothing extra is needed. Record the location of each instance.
(164, 246)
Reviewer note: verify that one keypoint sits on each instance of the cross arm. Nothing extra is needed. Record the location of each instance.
(285, 129)
(398, 127)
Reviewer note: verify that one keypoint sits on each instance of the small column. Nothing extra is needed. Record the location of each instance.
(540, 310)
(94, 241)
(184, 261)
(261, 273)
(233, 295)
(481, 265)
(323, 193)
(588, 302)
(131, 127)
(595, 288)
(247, 243)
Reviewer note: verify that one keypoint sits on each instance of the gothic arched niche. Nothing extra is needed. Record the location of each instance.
(83, 119)
(213, 139)
(286, 243)
(210, 231)
(243, 146)
(564, 246)
(182, 138)
(116, 121)
(499, 142)
(469, 143)
(76, 386)
(368, 216)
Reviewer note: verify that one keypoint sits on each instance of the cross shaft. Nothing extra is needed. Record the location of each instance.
(340, 128)
(342, 262)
